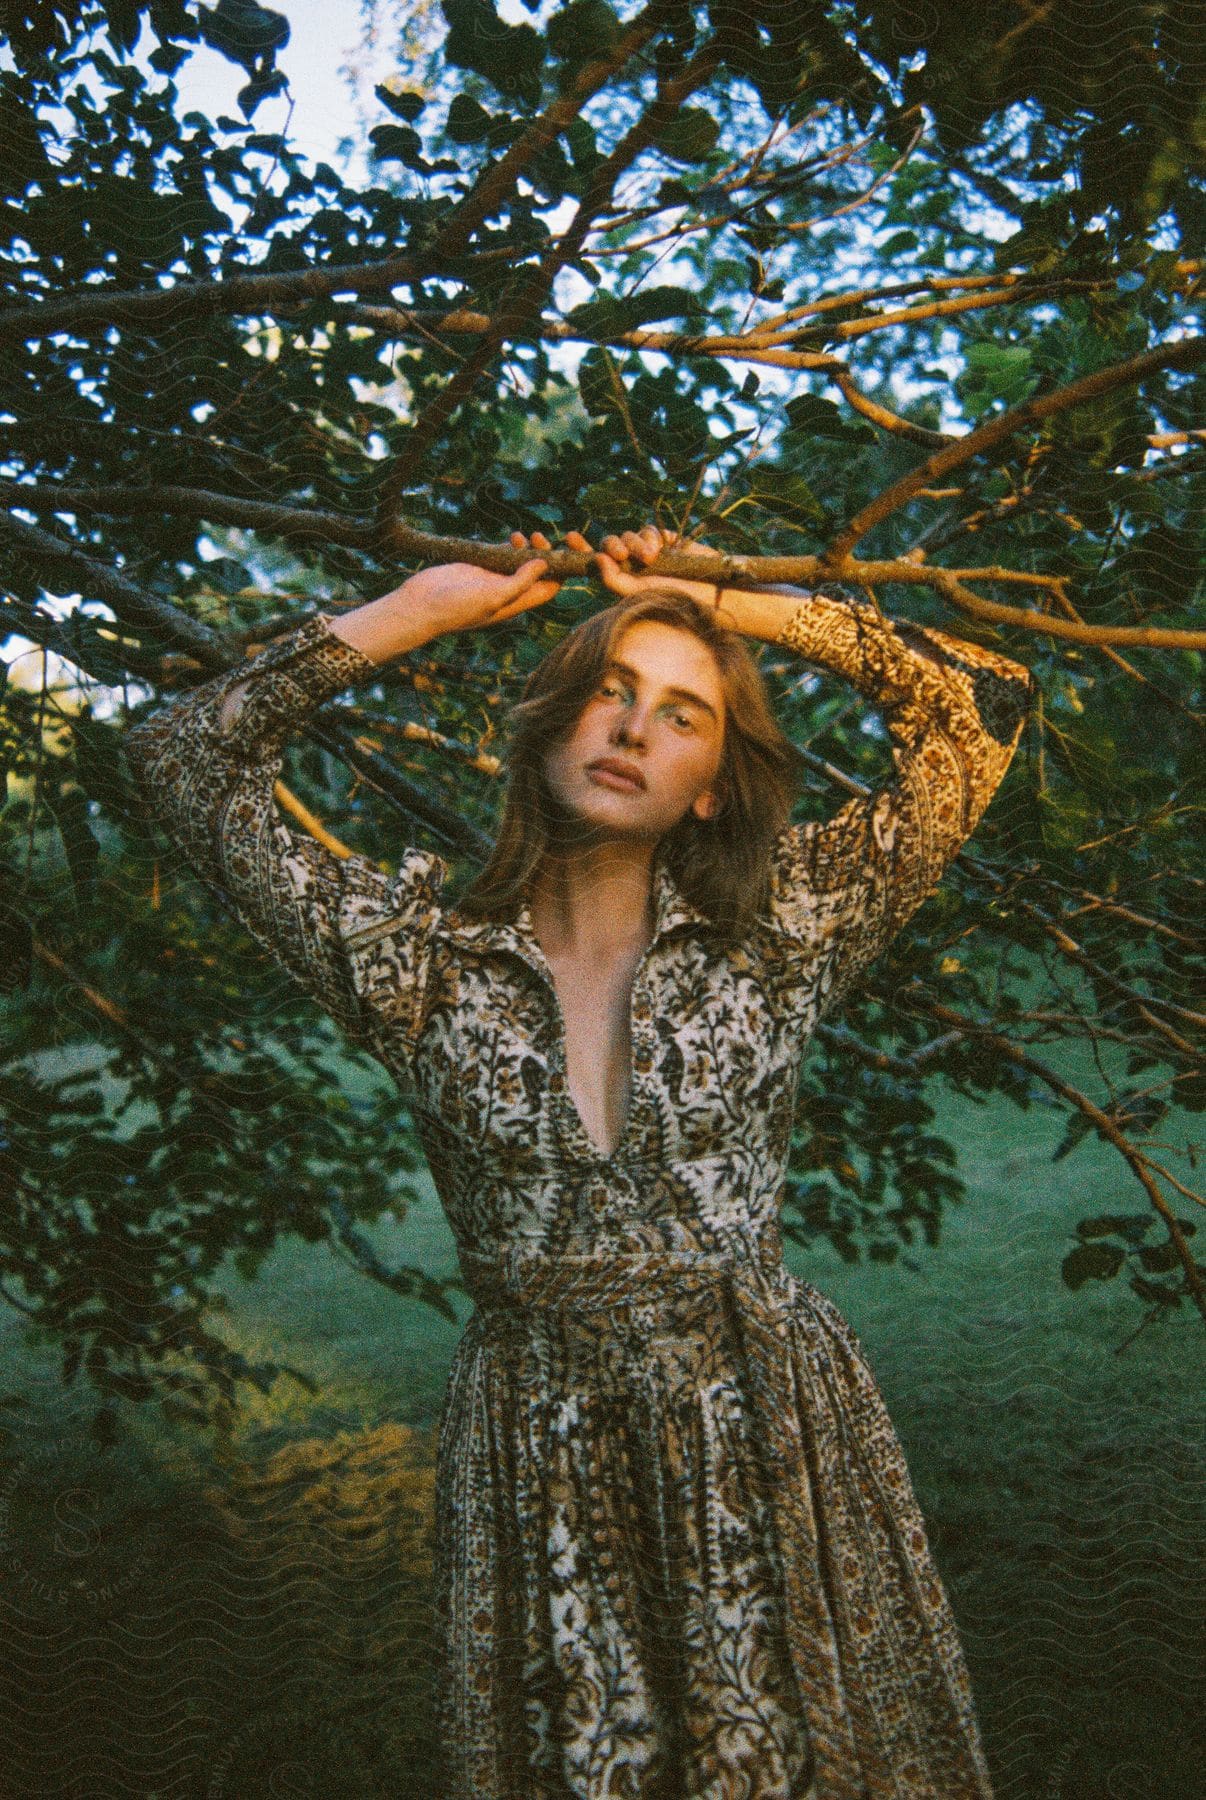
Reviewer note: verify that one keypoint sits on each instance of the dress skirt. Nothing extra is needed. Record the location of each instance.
(678, 1552)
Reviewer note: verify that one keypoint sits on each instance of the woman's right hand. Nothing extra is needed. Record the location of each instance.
(461, 597)
(446, 597)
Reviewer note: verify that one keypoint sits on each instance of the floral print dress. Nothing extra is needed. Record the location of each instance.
(678, 1554)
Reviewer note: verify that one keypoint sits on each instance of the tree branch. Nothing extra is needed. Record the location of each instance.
(96, 308)
(133, 605)
(1186, 353)
(422, 323)
(533, 287)
(297, 524)
(393, 541)
(1107, 1127)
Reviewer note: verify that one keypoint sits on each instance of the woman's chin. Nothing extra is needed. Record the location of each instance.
(603, 814)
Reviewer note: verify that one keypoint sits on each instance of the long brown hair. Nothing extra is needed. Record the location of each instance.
(721, 865)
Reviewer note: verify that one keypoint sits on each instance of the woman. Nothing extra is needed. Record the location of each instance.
(678, 1552)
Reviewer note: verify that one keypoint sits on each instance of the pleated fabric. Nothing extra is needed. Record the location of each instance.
(679, 1550)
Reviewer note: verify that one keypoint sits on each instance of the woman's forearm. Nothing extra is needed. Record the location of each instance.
(387, 628)
(880, 658)
(443, 598)
(757, 612)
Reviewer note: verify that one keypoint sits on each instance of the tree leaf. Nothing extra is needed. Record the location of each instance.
(1092, 1262)
(609, 315)
(690, 136)
(404, 105)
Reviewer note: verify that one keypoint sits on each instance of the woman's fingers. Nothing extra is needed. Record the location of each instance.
(523, 578)
(613, 576)
(537, 595)
(613, 560)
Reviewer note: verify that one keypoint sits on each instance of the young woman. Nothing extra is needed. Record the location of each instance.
(678, 1552)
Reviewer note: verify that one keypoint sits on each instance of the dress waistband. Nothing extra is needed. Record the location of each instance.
(605, 1276)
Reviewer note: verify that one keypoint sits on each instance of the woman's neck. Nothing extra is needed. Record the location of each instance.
(594, 903)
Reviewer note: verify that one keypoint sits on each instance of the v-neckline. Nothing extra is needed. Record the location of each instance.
(561, 1042)
(672, 910)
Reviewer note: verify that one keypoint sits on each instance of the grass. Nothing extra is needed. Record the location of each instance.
(249, 1617)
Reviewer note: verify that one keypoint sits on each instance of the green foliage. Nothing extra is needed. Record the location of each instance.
(167, 1104)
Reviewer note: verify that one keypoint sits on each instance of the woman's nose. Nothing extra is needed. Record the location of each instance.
(630, 727)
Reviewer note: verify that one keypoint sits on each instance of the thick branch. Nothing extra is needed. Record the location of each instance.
(533, 287)
(1072, 631)
(297, 524)
(423, 323)
(395, 541)
(133, 605)
(879, 415)
(1184, 354)
(95, 308)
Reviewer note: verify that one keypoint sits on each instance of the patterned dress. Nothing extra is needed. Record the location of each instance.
(678, 1553)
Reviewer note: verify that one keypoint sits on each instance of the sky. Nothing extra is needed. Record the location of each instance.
(323, 35)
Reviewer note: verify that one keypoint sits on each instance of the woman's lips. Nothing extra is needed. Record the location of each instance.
(612, 779)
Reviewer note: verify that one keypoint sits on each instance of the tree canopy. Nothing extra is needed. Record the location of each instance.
(902, 299)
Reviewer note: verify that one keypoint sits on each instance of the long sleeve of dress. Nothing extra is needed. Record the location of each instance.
(353, 937)
(842, 889)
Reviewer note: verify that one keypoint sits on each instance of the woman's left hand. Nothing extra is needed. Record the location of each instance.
(617, 552)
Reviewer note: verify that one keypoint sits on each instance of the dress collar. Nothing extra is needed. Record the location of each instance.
(672, 910)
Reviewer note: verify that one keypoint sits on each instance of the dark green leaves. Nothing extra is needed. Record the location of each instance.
(244, 32)
(811, 416)
(995, 372)
(396, 143)
(1096, 1259)
(249, 34)
(404, 105)
(510, 57)
(583, 30)
(1092, 1262)
(469, 123)
(786, 496)
(24, 158)
(611, 314)
(691, 135)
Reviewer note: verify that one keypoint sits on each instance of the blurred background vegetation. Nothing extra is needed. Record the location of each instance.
(903, 299)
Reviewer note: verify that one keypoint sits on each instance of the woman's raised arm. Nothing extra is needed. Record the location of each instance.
(954, 712)
(842, 889)
(206, 766)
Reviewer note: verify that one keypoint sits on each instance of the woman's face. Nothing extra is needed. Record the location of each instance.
(659, 714)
